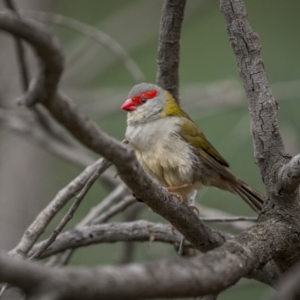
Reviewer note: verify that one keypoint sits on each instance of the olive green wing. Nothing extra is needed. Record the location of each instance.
(192, 134)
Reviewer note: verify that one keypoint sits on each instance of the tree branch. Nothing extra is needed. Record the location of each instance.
(33, 232)
(70, 212)
(24, 124)
(127, 250)
(289, 176)
(269, 149)
(20, 51)
(112, 211)
(206, 274)
(21, 55)
(136, 231)
(156, 197)
(169, 45)
(45, 84)
(95, 211)
(97, 35)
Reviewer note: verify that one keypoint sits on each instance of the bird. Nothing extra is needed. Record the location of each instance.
(173, 150)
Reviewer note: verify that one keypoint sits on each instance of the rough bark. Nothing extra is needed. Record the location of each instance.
(169, 46)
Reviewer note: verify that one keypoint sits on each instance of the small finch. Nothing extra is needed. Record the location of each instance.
(173, 150)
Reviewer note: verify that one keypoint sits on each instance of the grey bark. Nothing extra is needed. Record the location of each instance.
(169, 46)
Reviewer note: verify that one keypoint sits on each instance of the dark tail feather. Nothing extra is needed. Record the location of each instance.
(250, 195)
(237, 186)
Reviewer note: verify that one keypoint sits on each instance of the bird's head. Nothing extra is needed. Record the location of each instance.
(147, 102)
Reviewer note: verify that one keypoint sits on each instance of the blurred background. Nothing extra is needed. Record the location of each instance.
(101, 68)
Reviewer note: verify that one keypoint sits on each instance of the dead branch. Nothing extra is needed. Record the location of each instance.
(64, 111)
(70, 213)
(136, 231)
(33, 232)
(235, 259)
(115, 209)
(97, 210)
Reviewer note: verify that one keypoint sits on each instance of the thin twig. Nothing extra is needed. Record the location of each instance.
(128, 248)
(207, 297)
(97, 35)
(66, 257)
(136, 231)
(24, 124)
(4, 287)
(121, 206)
(20, 50)
(219, 214)
(180, 248)
(21, 55)
(228, 219)
(129, 200)
(69, 215)
(91, 217)
(94, 212)
(33, 232)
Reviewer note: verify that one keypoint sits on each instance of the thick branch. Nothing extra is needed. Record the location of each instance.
(206, 274)
(169, 46)
(44, 85)
(269, 148)
(176, 277)
(63, 110)
(289, 176)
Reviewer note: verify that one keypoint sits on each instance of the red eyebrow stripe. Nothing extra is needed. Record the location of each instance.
(148, 95)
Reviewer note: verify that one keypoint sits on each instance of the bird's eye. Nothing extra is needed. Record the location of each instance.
(143, 100)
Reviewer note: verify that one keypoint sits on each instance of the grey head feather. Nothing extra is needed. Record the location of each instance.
(143, 87)
(149, 111)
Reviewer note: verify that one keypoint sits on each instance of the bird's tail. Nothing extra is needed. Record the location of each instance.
(252, 197)
(230, 183)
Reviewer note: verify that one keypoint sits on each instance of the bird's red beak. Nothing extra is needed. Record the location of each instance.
(128, 105)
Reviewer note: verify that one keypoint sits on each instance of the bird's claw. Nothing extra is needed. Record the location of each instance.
(194, 209)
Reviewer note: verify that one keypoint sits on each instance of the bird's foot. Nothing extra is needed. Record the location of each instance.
(179, 196)
(175, 190)
(178, 187)
(194, 209)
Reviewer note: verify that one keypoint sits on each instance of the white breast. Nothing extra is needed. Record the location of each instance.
(162, 152)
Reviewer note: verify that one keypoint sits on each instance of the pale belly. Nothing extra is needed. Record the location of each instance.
(164, 155)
